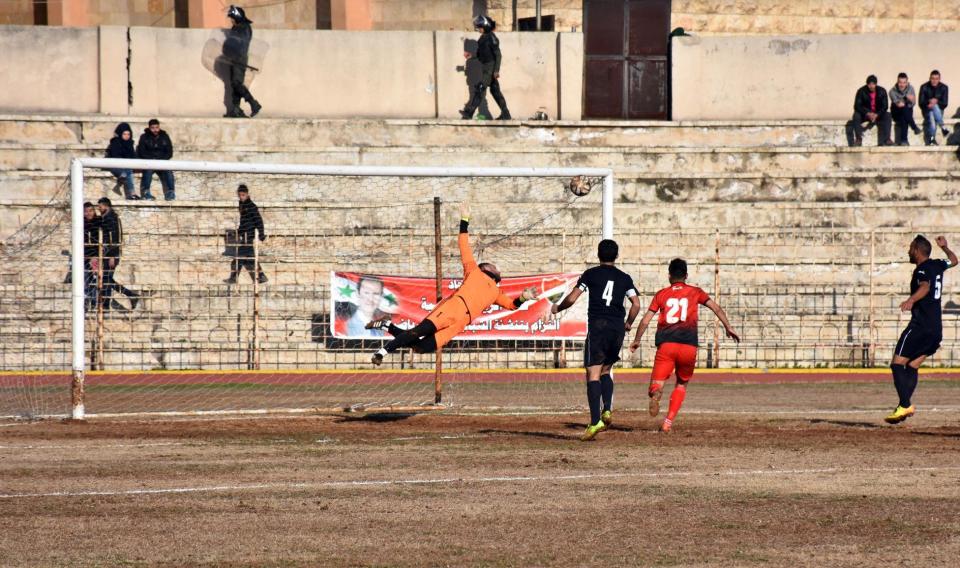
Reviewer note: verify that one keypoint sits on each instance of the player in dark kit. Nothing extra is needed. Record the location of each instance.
(607, 287)
(676, 338)
(922, 336)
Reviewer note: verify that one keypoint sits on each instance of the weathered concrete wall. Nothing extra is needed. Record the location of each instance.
(304, 73)
(330, 73)
(528, 75)
(49, 69)
(708, 17)
(799, 77)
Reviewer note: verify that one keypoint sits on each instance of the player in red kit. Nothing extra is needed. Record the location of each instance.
(676, 339)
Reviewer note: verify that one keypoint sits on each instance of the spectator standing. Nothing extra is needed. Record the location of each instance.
(902, 100)
(91, 255)
(112, 238)
(236, 50)
(155, 144)
(934, 97)
(870, 106)
(489, 56)
(251, 223)
(121, 146)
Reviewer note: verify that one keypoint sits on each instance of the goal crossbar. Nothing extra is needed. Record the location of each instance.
(78, 165)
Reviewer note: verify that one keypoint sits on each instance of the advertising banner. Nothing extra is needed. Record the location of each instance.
(357, 298)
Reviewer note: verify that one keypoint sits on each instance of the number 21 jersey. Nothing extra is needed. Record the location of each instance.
(678, 305)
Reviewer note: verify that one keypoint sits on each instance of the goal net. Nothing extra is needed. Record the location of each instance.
(193, 315)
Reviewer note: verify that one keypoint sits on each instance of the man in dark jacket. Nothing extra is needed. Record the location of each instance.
(154, 144)
(251, 224)
(870, 105)
(121, 146)
(236, 50)
(934, 96)
(111, 234)
(489, 56)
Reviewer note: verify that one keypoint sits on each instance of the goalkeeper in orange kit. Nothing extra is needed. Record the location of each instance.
(477, 293)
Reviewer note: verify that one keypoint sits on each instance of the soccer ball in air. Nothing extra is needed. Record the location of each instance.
(579, 186)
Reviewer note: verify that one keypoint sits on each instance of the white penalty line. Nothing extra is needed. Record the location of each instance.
(473, 480)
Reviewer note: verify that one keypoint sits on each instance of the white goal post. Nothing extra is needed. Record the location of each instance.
(78, 165)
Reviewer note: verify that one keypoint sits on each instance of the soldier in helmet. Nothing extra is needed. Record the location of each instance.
(488, 54)
(235, 51)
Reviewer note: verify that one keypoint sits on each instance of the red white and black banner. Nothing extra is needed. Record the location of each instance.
(357, 298)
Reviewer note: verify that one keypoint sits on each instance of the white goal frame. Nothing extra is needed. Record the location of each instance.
(77, 166)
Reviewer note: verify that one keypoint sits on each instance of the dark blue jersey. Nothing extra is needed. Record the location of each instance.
(607, 287)
(926, 313)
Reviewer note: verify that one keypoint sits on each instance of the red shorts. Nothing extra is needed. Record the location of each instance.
(670, 356)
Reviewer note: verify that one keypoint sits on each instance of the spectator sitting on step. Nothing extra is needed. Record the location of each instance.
(902, 100)
(870, 106)
(933, 103)
(154, 144)
(121, 146)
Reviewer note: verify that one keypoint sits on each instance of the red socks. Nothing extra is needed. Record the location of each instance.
(676, 401)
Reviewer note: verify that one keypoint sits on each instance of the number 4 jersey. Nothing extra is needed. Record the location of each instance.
(607, 286)
(678, 305)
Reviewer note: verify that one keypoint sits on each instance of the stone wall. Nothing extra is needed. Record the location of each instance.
(710, 17)
(799, 77)
(149, 70)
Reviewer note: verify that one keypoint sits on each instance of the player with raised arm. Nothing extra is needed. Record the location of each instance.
(478, 292)
(607, 287)
(923, 334)
(676, 338)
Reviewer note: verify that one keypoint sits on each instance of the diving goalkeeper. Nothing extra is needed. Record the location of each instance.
(477, 293)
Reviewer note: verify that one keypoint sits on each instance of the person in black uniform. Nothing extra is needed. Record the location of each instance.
(91, 254)
(236, 50)
(488, 54)
(607, 287)
(251, 223)
(923, 334)
(112, 238)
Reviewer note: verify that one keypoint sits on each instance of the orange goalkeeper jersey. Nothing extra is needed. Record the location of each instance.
(478, 290)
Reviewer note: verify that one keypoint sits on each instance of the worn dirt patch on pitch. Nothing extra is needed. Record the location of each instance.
(440, 489)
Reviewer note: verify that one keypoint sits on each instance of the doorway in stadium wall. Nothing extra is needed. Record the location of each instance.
(626, 63)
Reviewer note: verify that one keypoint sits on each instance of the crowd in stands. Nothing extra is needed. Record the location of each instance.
(872, 107)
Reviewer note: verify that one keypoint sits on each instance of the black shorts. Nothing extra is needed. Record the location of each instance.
(604, 341)
(915, 342)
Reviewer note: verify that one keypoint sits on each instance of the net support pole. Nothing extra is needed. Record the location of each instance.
(76, 271)
(438, 262)
(716, 295)
(607, 206)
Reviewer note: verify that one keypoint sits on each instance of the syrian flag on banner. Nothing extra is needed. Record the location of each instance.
(344, 289)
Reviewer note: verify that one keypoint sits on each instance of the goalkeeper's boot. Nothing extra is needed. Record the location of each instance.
(900, 414)
(655, 396)
(592, 431)
(666, 426)
(377, 359)
(381, 323)
(607, 418)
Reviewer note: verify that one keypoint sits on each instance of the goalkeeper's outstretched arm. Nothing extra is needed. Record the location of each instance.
(505, 301)
(463, 241)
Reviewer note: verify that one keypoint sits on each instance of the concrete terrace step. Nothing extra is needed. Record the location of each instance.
(658, 159)
(632, 186)
(98, 129)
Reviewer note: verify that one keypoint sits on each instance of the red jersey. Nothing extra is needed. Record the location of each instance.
(678, 305)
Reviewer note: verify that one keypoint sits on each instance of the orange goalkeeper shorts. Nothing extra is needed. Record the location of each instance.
(674, 356)
(450, 318)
